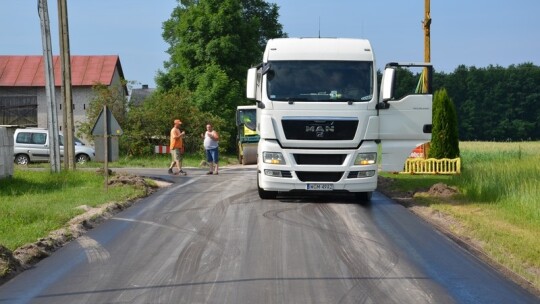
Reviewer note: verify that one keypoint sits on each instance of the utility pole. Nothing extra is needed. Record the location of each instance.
(427, 34)
(67, 96)
(52, 115)
(427, 41)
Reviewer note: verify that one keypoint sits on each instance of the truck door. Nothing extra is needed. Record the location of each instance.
(404, 122)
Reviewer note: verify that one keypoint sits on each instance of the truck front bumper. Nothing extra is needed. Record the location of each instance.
(293, 183)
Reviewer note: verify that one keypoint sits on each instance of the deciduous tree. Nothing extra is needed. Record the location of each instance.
(212, 44)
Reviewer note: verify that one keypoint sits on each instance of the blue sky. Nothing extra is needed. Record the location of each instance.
(474, 33)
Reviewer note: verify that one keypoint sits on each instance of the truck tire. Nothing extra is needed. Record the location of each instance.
(263, 194)
(364, 197)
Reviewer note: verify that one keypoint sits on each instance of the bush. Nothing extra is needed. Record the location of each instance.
(150, 123)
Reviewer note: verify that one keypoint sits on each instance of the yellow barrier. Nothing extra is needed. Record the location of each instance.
(432, 166)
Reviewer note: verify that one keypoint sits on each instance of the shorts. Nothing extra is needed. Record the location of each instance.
(176, 155)
(212, 155)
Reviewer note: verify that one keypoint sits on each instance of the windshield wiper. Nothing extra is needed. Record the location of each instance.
(291, 100)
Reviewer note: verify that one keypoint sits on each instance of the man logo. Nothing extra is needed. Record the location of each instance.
(320, 130)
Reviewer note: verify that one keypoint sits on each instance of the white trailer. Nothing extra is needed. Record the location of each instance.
(320, 117)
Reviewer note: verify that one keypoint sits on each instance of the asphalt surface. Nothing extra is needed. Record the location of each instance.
(210, 239)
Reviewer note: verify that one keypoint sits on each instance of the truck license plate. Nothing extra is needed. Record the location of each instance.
(320, 187)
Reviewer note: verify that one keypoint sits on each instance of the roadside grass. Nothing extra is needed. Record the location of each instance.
(164, 160)
(36, 202)
(405, 182)
(498, 204)
(152, 161)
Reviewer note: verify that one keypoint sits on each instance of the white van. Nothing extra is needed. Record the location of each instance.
(32, 145)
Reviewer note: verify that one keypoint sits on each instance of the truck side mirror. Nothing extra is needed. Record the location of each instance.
(388, 84)
(251, 85)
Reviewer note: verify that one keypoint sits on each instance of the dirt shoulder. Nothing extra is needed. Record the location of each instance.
(446, 224)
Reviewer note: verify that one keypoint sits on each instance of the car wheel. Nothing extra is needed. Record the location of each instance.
(22, 159)
(82, 158)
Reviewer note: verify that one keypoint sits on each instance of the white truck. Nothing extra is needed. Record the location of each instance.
(322, 122)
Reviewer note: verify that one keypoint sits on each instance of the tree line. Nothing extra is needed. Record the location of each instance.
(495, 103)
(492, 103)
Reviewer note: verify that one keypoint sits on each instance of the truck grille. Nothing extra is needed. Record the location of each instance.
(319, 129)
(308, 176)
(319, 159)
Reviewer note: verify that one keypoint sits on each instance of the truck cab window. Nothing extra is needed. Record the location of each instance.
(312, 81)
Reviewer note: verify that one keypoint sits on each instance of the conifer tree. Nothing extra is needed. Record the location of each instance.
(444, 139)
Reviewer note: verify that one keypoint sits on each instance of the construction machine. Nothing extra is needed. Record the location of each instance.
(247, 137)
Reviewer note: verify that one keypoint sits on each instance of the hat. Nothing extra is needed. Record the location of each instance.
(177, 121)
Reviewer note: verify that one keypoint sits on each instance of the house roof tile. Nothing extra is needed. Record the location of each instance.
(24, 71)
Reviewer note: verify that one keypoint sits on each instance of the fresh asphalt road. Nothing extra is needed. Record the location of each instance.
(210, 239)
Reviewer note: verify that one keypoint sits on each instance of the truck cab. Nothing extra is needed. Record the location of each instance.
(320, 118)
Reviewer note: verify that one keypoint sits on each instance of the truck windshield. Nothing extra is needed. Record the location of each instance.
(320, 81)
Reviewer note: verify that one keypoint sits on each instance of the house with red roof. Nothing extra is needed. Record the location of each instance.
(23, 99)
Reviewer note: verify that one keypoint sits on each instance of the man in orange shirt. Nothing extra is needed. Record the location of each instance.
(177, 148)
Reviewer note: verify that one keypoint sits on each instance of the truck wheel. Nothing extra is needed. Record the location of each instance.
(364, 197)
(263, 194)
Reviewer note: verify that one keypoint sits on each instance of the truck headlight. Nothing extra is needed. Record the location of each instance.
(366, 158)
(274, 158)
